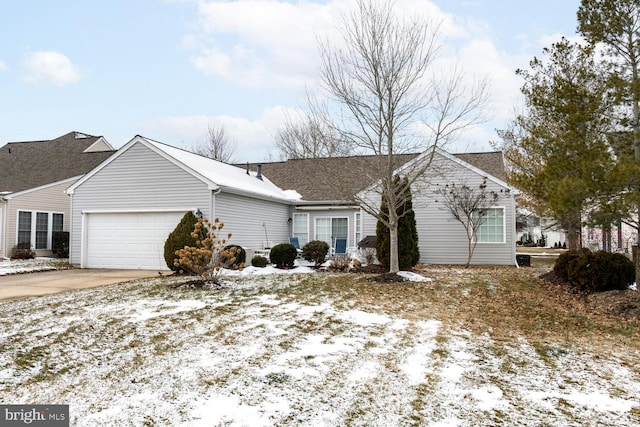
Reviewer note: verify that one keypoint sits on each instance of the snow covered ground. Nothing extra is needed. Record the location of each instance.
(29, 265)
(286, 350)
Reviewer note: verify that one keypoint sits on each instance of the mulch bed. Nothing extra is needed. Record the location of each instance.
(624, 304)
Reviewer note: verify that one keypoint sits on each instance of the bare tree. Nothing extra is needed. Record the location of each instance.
(310, 134)
(383, 94)
(217, 145)
(469, 206)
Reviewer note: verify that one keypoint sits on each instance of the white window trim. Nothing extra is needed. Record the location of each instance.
(34, 216)
(504, 229)
(357, 224)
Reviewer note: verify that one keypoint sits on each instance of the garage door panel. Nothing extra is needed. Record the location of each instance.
(129, 240)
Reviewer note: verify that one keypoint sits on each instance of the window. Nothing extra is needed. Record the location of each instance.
(58, 222)
(492, 228)
(36, 228)
(24, 227)
(301, 228)
(42, 230)
(330, 229)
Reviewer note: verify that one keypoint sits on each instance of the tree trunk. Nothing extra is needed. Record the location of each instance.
(572, 237)
(394, 263)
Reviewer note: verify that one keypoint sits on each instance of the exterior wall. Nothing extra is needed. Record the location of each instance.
(253, 223)
(139, 180)
(442, 240)
(48, 199)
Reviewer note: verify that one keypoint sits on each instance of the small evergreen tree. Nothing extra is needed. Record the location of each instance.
(179, 238)
(408, 251)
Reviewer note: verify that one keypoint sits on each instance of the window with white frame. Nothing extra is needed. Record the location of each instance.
(42, 229)
(36, 228)
(24, 227)
(301, 228)
(492, 229)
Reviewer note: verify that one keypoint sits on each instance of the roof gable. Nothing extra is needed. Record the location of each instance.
(30, 164)
(215, 174)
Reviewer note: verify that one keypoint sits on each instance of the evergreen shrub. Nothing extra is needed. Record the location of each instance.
(561, 267)
(179, 238)
(283, 255)
(259, 261)
(60, 244)
(315, 251)
(595, 272)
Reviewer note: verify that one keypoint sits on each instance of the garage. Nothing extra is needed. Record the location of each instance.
(128, 240)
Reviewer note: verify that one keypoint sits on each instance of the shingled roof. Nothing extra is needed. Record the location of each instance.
(30, 164)
(340, 178)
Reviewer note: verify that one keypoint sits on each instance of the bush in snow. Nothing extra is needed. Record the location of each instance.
(315, 251)
(180, 238)
(22, 251)
(340, 263)
(283, 255)
(259, 261)
(204, 259)
(233, 257)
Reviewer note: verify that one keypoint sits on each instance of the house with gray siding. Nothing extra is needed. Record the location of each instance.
(33, 178)
(123, 210)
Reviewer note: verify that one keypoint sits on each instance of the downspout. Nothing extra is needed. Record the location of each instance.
(3, 228)
(212, 202)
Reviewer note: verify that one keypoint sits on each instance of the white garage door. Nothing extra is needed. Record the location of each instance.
(128, 240)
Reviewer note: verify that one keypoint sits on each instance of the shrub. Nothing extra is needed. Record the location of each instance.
(579, 269)
(340, 263)
(561, 267)
(315, 251)
(233, 257)
(259, 261)
(180, 238)
(283, 255)
(203, 259)
(60, 244)
(22, 251)
(602, 271)
(595, 272)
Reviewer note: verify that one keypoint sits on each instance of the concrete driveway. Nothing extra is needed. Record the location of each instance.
(51, 282)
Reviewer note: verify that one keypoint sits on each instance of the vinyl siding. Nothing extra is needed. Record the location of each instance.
(139, 180)
(49, 199)
(441, 239)
(244, 217)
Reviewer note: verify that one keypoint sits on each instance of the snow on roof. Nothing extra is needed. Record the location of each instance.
(224, 175)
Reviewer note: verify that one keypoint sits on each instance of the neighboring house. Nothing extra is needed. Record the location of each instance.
(123, 210)
(33, 179)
